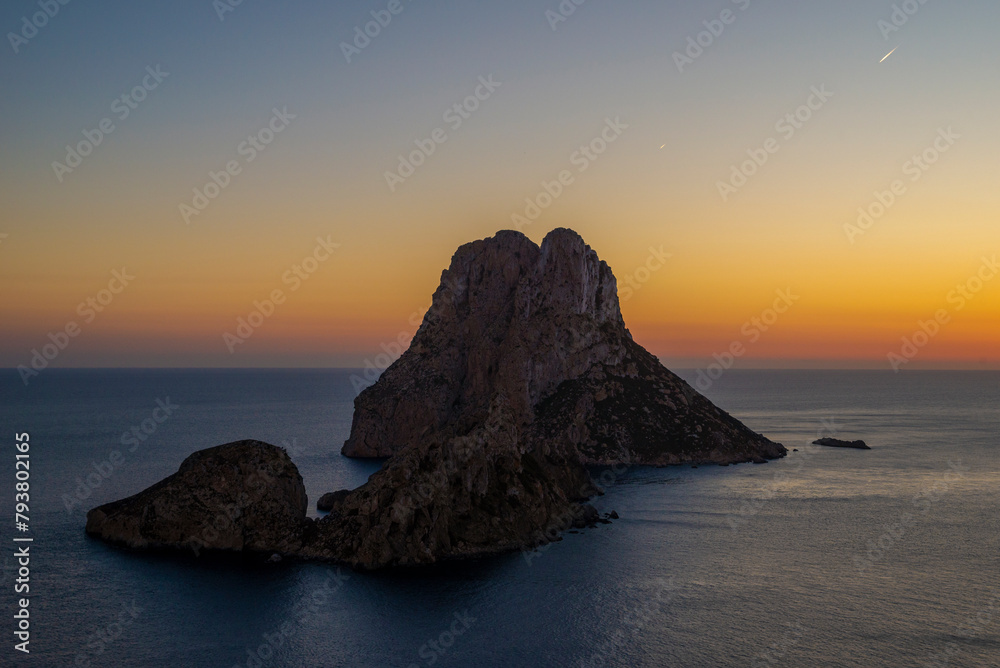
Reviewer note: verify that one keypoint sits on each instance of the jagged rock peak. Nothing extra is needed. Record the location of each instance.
(521, 374)
(508, 275)
(508, 315)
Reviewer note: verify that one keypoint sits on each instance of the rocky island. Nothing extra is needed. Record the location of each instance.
(246, 496)
(837, 443)
(521, 375)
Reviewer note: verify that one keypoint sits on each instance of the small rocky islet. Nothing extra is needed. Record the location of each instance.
(837, 443)
(521, 377)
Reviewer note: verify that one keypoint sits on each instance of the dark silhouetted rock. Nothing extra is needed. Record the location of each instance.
(521, 375)
(587, 517)
(243, 496)
(329, 501)
(835, 443)
(476, 494)
(543, 326)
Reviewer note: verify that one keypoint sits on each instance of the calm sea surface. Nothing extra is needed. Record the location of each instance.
(829, 557)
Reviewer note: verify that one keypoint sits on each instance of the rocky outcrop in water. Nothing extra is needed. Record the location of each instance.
(837, 443)
(245, 496)
(469, 496)
(520, 376)
(543, 327)
(456, 496)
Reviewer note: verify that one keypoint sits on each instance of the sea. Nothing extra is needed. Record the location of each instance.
(827, 557)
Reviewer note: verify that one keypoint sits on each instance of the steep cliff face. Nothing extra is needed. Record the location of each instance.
(543, 326)
(445, 374)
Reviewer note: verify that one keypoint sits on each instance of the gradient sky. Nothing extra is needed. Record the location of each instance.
(324, 174)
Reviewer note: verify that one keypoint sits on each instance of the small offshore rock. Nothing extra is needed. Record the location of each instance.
(837, 443)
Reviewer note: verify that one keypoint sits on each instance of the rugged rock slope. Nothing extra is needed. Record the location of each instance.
(243, 496)
(543, 327)
(521, 374)
(456, 496)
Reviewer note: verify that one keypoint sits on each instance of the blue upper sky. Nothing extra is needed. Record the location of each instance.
(560, 81)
